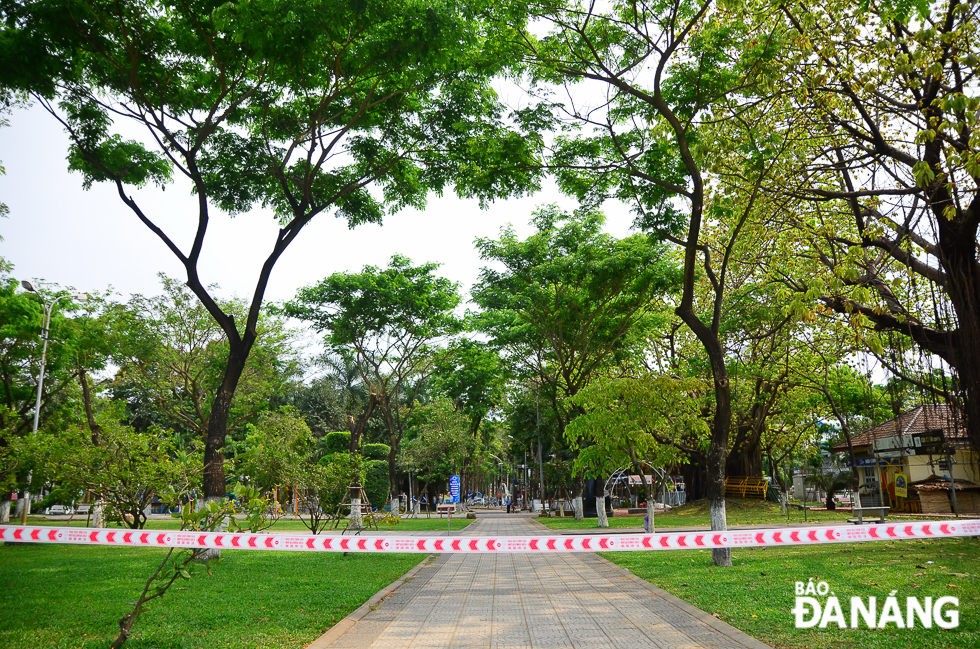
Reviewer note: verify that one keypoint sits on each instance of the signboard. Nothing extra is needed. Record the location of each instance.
(454, 488)
(930, 442)
(927, 443)
(870, 461)
(635, 479)
(896, 443)
(901, 485)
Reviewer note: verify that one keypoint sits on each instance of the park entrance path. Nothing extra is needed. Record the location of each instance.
(491, 601)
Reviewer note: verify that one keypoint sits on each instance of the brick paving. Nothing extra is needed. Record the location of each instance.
(490, 601)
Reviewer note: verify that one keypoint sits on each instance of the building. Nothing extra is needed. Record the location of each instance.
(926, 446)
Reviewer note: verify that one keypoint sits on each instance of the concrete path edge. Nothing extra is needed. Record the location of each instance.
(344, 625)
(710, 620)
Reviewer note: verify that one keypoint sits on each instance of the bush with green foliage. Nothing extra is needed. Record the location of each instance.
(376, 484)
(376, 451)
(338, 442)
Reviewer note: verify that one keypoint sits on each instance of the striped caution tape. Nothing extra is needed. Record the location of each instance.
(470, 544)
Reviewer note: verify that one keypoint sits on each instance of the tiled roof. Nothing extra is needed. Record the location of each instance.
(935, 483)
(918, 420)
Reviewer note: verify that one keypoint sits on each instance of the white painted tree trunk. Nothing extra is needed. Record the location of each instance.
(577, 504)
(4, 512)
(722, 557)
(19, 508)
(600, 508)
(651, 506)
(355, 513)
(98, 515)
(211, 553)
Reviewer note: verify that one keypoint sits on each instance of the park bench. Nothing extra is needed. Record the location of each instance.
(447, 509)
(860, 514)
(746, 487)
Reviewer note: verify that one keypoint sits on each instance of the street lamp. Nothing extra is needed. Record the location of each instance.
(48, 308)
(537, 409)
(525, 478)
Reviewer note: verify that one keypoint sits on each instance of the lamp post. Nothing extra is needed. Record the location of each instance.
(537, 409)
(45, 330)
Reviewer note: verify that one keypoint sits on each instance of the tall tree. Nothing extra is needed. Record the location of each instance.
(170, 363)
(569, 298)
(391, 319)
(304, 118)
(659, 72)
(891, 174)
(569, 301)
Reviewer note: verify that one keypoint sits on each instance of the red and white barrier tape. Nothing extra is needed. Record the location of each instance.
(470, 544)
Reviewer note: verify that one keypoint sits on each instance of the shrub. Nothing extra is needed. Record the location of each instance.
(376, 482)
(376, 451)
(337, 442)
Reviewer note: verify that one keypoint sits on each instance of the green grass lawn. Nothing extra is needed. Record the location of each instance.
(757, 593)
(433, 524)
(59, 596)
(740, 512)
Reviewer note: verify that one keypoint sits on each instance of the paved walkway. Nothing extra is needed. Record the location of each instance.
(490, 601)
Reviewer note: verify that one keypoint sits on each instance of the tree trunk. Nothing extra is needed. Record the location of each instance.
(95, 429)
(600, 508)
(717, 455)
(19, 507)
(393, 470)
(694, 478)
(5, 510)
(214, 441)
(746, 457)
(212, 553)
(355, 514)
(963, 286)
(356, 426)
(651, 509)
(579, 508)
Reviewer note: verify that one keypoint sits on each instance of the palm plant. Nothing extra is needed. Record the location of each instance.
(830, 482)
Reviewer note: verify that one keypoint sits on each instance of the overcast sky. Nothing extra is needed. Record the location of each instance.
(61, 234)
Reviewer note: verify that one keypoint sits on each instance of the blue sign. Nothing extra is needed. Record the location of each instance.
(870, 461)
(454, 488)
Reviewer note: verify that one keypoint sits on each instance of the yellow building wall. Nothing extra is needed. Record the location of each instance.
(965, 467)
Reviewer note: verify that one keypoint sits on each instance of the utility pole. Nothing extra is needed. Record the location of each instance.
(45, 329)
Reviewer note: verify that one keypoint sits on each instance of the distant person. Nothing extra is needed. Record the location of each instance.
(508, 505)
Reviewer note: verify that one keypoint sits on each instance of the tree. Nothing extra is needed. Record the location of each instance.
(304, 119)
(639, 421)
(440, 443)
(391, 319)
(247, 512)
(170, 358)
(664, 72)
(569, 300)
(473, 376)
(829, 483)
(278, 445)
(123, 469)
(67, 360)
(890, 174)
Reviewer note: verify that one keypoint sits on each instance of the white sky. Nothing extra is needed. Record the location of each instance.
(58, 233)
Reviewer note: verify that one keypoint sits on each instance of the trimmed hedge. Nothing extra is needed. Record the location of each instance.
(376, 482)
(376, 451)
(337, 442)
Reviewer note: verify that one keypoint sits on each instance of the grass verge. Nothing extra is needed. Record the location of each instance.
(757, 594)
(71, 597)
